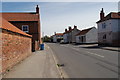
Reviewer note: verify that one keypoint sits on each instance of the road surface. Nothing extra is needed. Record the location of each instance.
(86, 62)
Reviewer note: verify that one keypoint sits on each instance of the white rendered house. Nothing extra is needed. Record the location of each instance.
(109, 29)
(87, 36)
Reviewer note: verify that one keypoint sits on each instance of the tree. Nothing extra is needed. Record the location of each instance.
(46, 39)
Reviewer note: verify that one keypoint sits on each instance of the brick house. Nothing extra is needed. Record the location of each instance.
(29, 22)
(109, 29)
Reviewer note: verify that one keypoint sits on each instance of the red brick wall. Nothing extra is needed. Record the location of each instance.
(15, 47)
(0, 51)
(34, 30)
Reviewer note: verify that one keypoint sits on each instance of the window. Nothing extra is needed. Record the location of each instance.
(103, 26)
(25, 28)
(104, 36)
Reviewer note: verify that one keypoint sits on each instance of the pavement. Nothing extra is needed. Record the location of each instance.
(102, 47)
(80, 61)
(111, 48)
(85, 61)
(41, 64)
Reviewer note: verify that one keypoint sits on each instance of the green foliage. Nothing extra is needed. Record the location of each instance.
(46, 39)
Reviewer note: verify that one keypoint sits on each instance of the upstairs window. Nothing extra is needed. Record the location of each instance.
(25, 28)
(103, 26)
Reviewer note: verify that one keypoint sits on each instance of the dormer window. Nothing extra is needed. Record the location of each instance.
(25, 28)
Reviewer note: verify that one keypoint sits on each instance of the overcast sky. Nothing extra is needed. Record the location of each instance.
(56, 16)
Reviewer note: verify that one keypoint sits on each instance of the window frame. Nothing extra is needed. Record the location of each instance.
(103, 25)
(27, 28)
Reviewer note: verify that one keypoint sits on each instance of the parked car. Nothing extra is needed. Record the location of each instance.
(62, 42)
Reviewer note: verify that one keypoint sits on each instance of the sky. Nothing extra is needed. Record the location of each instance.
(57, 16)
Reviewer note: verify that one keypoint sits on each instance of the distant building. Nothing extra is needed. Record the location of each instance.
(65, 36)
(87, 36)
(69, 35)
(29, 22)
(57, 37)
(109, 29)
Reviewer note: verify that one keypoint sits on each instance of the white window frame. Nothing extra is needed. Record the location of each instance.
(27, 28)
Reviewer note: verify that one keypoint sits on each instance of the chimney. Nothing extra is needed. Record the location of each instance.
(75, 27)
(102, 14)
(65, 30)
(70, 28)
(55, 33)
(37, 9)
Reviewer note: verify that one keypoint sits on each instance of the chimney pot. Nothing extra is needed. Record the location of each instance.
(55, 33)
(65, 30)
(37, 9)
(70, 28)
(75, 26)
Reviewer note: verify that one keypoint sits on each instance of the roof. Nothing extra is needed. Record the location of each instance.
(20, 16)
(112, 15)
(69, 31)
(8, 26)
(61, 34)
(83, 32)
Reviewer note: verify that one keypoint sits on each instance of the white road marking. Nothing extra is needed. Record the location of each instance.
(90, 53)
(64, 45)
(86, 51)
(96, 54)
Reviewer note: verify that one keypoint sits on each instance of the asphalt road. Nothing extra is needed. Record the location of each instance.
(86, 62)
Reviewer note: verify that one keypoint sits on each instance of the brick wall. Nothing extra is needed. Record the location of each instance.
(15, 47)
(33, 30)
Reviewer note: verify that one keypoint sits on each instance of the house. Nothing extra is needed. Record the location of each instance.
(54, 38)
(57, 37)
(65, 36)
(109, 29)
(87, 36)
(69, 35)
(72, 33)
(28, 22)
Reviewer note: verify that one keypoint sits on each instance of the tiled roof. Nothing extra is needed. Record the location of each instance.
(59, 34)
(8, 26)
(111, 15)
(83, 32)
(20, 16)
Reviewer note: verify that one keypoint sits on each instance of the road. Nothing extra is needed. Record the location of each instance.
(86, 62)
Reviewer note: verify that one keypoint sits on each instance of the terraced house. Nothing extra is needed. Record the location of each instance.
(69, 35)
